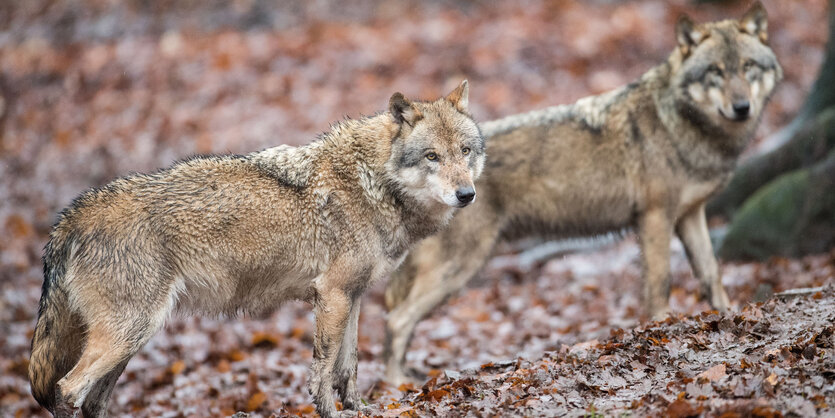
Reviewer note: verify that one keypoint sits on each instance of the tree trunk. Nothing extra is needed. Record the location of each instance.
(792, 216)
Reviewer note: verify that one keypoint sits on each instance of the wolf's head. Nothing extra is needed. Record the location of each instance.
(724, 72)
(439, 151)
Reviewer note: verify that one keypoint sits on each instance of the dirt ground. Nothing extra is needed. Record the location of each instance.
(92, 90)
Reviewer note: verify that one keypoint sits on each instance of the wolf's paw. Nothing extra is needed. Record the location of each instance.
(719, 299)
(350, 398)
(327, 409)
(660, 314)
(64, 409)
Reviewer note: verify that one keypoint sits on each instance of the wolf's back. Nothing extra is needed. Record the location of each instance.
(59, 332)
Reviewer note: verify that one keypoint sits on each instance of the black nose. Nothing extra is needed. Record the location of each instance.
(465, 194)
(742, 108)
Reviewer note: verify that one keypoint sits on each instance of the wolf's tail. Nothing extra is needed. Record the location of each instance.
(59, 333)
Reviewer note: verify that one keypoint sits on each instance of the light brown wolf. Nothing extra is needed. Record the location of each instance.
(224, 234)
(645, 156)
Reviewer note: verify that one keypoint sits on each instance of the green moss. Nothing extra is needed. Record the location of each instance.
(790, 216)
(766, 223)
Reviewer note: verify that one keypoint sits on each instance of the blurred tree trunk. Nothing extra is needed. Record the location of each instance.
(791, 216)
(783, 202)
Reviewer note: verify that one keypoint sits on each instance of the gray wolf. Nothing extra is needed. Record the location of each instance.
(225, 234)
(645, 156)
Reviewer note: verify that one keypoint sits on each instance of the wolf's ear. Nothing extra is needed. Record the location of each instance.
(460, 96)
(755, 22)
(403, 110)
(687, 35)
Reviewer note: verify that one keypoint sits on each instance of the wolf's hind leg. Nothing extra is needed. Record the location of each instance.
(111, 342)
(693, 232)
(441, 269)
(346, 363)
(97, 401)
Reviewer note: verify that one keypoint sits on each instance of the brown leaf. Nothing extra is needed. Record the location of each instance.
(407, 387)
(264, 340)
(18, 227)
(177, 367)
(765, 412)
(714, 373)
(680, 408)
(255, 401)
(437, 395)
(236, 355)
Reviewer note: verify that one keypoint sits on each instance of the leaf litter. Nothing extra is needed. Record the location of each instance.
(92, 90)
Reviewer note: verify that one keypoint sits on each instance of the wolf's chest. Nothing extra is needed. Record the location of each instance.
(695, 193)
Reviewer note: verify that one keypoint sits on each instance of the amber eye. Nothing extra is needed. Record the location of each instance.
(465, 150)
(431, 156)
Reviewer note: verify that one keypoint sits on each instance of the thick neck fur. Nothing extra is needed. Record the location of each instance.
(370, 141)
(706, 147)
(353, 154)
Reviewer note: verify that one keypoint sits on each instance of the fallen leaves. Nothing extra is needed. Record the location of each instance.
(680, 408)
(177, 367)
(264, 340)
(638, 376)
(714, 373)
(255, 401)
(84, 101)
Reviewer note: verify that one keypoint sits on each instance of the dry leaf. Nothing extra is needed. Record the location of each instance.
(714, 373)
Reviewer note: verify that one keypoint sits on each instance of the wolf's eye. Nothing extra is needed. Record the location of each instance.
(715, 70)
(749, 65)
(431, 156)
(465, 150)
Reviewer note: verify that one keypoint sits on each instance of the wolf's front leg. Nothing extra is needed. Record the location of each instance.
(655, 232)
(346, 363)
(331, 310)
(693, 232)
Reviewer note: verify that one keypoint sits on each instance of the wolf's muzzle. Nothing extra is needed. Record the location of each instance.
(741, 109)
(465, 195)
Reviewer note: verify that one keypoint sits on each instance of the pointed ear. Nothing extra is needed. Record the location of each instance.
(755, 22)
(460, 96)
(403, 110)
(687, 35)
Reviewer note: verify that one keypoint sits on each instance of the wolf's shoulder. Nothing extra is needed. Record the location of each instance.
(290, 166)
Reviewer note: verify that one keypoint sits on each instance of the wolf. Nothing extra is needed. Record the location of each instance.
(224, 234)
(645, 157)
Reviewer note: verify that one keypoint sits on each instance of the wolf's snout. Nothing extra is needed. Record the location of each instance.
(465, 194)
(741, 109)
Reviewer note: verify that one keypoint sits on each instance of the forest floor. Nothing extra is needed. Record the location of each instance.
(92, 90)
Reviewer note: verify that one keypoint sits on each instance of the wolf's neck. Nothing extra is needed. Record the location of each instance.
(362, 148)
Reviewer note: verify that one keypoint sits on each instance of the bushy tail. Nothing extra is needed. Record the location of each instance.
(59, 333)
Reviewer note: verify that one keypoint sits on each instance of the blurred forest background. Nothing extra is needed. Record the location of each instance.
(94, 89)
